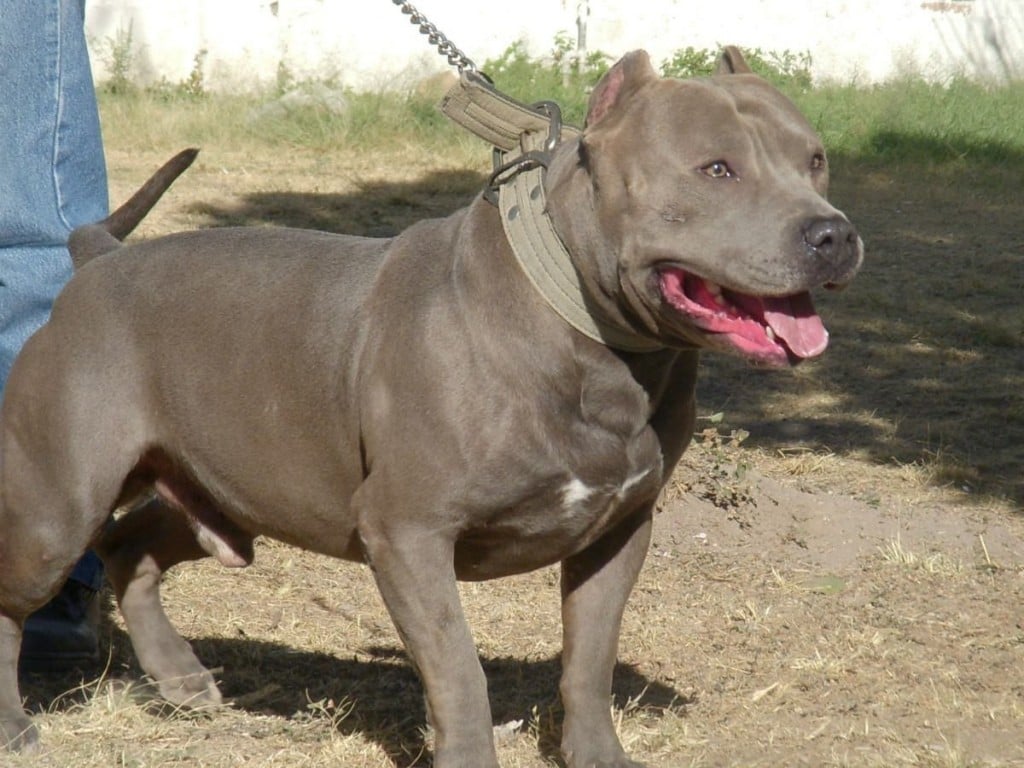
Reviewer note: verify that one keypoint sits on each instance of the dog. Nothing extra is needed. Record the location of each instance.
(414, 403)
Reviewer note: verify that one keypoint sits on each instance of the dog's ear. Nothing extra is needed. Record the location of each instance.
(627, 76)
(731, 62)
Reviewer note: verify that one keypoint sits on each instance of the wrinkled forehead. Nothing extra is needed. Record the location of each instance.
(729, 109)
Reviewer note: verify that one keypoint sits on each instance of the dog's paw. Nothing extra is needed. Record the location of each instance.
(18, 734)
(194, 691)
(589, 759)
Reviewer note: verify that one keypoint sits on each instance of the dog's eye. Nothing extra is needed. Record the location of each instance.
(717, 170)
(818, 162)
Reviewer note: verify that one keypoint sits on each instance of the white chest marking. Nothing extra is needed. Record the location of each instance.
(630, 482)
(576, 493)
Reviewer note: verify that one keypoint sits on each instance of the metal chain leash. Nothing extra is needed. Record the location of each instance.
(524, 136)
(502, 121)
(445, 47)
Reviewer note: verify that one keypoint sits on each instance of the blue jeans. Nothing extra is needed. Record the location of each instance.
(52, 169)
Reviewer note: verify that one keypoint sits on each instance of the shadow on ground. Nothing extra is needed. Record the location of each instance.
(387, 704)
(378, 209)
(926, 364)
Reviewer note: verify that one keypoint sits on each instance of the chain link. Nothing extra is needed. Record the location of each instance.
(445, 47)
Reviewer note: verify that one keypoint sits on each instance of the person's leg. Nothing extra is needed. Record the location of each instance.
(52, 179)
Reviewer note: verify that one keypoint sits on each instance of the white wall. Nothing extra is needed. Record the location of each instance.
(369, 44)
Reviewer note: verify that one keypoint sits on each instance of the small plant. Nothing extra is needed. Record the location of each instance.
(689, 62)
(786, 70)
(562, 77)
(723, 480)
(285, 77)
(118, 53)
(567, 78)
(194, 84)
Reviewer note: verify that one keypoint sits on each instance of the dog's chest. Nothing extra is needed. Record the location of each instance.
(587, 510)
(555, 494)
(536, 520)
(595, 504)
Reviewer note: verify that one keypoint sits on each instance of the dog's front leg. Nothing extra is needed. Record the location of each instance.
(595, 586)
(415, 573)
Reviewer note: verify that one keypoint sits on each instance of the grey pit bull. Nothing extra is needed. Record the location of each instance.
(412, 403)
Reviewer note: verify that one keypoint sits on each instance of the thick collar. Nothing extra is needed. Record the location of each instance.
(547, 263)
(523, 138)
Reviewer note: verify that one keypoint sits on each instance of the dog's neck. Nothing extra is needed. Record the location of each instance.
(547, 262)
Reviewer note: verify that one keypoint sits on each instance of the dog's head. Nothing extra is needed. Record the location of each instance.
(711, 194)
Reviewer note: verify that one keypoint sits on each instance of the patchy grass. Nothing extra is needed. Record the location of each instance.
(146, 119)
(936, 563)
(960, 125)
(957, 126)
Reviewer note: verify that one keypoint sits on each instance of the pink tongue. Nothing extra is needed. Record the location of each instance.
(794, 321)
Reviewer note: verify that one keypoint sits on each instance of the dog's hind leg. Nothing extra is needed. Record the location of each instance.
(16, 729)
(46, 522)
(36, 555)
(32, 567)
(137, 550)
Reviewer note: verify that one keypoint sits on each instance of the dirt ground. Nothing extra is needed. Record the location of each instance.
(837, 574)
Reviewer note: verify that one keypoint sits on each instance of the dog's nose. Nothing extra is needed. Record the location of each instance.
(833, 239)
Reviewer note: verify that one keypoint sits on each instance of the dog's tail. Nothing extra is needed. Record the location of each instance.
(94, 240)
(122, 221)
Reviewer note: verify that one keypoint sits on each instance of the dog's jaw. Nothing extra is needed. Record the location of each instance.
(772, 331)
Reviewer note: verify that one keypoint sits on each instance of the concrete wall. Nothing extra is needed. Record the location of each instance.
(369, 44)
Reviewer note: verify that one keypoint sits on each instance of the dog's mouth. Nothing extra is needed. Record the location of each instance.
(775, 331)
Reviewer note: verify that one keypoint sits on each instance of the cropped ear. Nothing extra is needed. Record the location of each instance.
(731, 62)
(626, 76)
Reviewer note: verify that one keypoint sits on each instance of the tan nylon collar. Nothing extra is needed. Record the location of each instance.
(546, 262)
(515, 129)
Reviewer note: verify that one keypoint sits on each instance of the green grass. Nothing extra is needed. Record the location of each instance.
(909, 120)
(145, 119)
(959, 124)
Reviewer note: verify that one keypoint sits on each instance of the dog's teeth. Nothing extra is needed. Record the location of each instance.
(715, 291)
(770, 334)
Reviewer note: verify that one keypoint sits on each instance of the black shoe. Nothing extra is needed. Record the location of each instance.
(63, 632)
